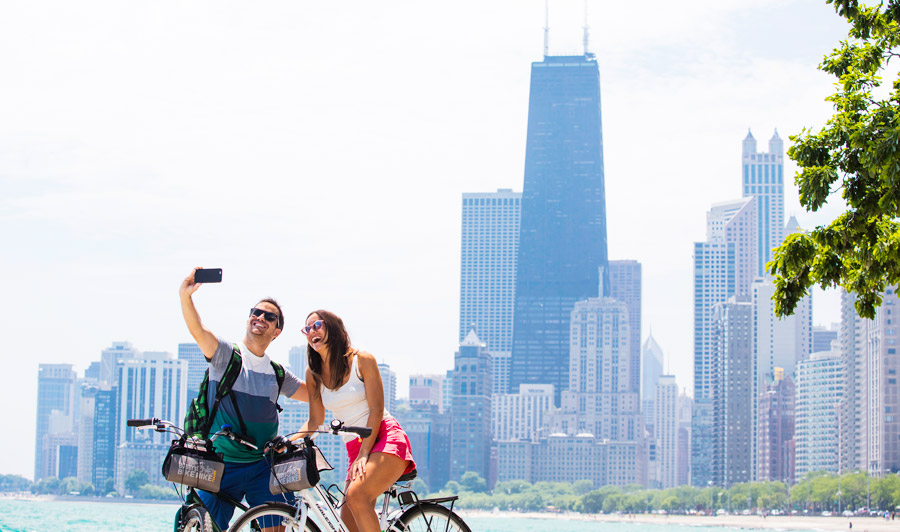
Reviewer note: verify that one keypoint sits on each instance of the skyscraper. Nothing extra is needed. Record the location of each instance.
(724, 267)
(490, 245)
(470, 440)
(56, 396)
(652, 368)
(763, 179)
(854, 407)
(776, 430)
(625, 286)
(197, 365)
(734, 394)
(389, 386)
(780, 342)
(819, 393)
(153, 384)
(822, 337)
(297, 361)
(562, 243)
(104, 448)
(666, 431)
(869, 427)
(599, 399)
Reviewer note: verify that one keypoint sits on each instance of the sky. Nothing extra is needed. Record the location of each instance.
(318, 152)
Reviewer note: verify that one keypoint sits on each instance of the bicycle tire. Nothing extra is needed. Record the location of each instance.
(197, 520)
(270, 516)
(429, 517)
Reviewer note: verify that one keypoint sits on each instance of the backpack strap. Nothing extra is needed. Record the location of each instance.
(232, 370)
(279, 376)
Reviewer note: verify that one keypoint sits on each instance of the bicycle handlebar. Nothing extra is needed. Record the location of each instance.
(229, 433)
(167, 426)
(142, 422)
(364, 432)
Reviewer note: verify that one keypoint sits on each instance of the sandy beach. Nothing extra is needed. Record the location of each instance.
(783, 522)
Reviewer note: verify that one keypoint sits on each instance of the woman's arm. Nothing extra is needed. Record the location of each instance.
(368, 369)
(316, 408)
(302, 393)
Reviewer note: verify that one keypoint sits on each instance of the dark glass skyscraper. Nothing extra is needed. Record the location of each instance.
(562, 244)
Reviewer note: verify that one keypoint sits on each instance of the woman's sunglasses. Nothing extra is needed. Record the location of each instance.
(270, 317)
(314, 327)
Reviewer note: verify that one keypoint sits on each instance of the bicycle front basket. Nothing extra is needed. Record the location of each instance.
(297, 470)
(194, 466)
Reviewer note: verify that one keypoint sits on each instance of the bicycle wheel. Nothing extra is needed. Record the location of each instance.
(429, 517)
(271, 517)
(197, 520)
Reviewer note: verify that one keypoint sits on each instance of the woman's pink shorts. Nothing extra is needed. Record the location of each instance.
(391, 440)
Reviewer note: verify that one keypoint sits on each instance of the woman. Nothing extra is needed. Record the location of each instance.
(347, 382)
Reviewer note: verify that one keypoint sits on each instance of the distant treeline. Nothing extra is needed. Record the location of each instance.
(136, 484)
(817, 492)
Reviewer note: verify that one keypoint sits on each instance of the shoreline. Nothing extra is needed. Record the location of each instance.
(37, 497)
(780, 522)
(771, 522)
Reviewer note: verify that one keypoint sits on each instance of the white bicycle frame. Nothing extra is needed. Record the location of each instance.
(317, 501)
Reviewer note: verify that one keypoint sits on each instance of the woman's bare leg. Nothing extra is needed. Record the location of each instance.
(358, 511)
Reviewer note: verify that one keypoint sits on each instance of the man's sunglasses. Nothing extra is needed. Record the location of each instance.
(314, 327)
(270, 317)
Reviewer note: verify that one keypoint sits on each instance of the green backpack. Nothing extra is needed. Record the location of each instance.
(199, 417)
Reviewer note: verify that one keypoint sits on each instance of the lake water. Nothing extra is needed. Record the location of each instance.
(77, 516)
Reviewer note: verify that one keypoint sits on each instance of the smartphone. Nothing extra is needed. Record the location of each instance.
(208, 275)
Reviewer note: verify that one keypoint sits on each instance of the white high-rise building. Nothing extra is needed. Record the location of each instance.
(521, 416)
(490, 246)
(665, 423)
(763, 179)
(151, 385)
(819, 393)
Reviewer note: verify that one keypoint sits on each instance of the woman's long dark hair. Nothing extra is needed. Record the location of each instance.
(338, 342)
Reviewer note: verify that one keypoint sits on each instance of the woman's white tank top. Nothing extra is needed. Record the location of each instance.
(348, 403)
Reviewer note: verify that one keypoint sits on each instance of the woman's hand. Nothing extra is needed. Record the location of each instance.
(358, 467)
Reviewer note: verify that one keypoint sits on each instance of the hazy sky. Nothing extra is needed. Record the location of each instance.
(317, 152)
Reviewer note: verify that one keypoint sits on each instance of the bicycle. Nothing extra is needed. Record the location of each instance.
(317, 506)
(193, 516)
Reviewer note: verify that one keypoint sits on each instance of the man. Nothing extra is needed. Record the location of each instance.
(255, 393)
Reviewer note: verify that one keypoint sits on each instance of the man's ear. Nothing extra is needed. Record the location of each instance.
(277, 332)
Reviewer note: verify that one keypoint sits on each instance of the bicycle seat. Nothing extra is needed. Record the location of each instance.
(407, 477)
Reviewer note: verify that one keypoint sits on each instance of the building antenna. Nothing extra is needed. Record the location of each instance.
(546, 28)
(586, 29)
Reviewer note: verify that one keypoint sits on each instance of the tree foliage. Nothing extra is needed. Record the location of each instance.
(856, 153)
(817, 491)
(14, 483)
(135, 480)
(472, 481)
